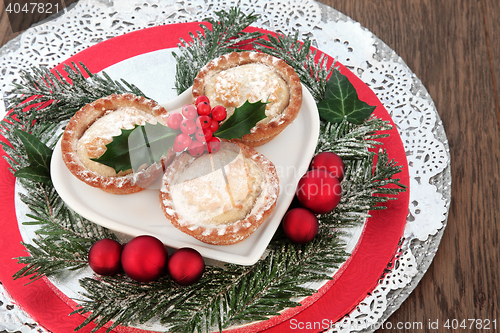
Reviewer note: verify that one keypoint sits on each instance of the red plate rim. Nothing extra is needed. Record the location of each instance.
(357, 278)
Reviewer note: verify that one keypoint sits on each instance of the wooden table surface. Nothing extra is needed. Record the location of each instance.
(453, 46)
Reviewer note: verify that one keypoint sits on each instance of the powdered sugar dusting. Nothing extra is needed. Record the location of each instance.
(252, 179)
(253, 82)
(102, 132)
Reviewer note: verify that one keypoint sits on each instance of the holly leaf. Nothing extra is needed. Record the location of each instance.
(242, 120)
(137, 147)
(39, 156)
(342, 102)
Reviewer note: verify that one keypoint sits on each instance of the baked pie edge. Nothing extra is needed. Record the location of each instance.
(261, 133)
(83, 119)
(237, 231)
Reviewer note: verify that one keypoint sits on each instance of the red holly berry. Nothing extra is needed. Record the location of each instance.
(196, 148)
(201, 99)
(213, 145)
(177, 148)
(329, 161)
(174, 120)
(203, 122)
(219, 113)
(199, 135)
(104, 257)
(186, 266)
(207, 133)
(203, 109)
(189, 111)
(319, 191)
(214, 126)
(188, 126)
(300, 225)
(182, 141)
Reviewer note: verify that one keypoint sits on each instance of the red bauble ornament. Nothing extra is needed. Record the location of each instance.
(319, 191)
(330, 162)
(186, 266)
(144, 258)
(104, 257)
(300, 225)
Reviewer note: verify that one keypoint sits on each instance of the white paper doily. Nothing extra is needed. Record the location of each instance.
(412, 109)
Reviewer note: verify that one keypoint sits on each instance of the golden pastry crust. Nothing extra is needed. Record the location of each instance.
(124, 182)
(222, 233)
(264, 131)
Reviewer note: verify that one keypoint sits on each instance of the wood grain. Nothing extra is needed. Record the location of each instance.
(453, 47)
(7, 27)
(492, 26)
(445, 44)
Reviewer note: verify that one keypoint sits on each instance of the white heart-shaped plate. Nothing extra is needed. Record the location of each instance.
(140, 213)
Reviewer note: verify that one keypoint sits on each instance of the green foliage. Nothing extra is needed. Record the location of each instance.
(50, 97)
(364, 189)
(352, 141)
(242, 120)
(143, 144)
(38, 105)
(146, 144)
(224, 296)
(341, 102)
(225, 36)
(39, 156)
(313, 71)
(63, 237)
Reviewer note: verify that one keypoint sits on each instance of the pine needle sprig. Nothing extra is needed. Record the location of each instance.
(13, 147)
(364, 188)
(283, 275)
(52, 98)
(64, 237)
(351, 141)
(313, 72)
(222, 298)
(225, 36)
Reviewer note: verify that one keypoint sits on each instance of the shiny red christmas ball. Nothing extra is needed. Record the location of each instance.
(300, 225)
(104, 257)
(186, 266)
(144, 258)
(319, 191)
(330, 162)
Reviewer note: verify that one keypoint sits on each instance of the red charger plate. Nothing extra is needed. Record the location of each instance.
(357, 278)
